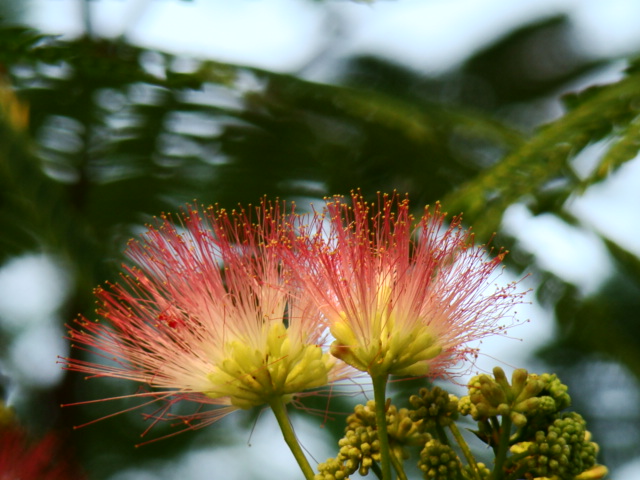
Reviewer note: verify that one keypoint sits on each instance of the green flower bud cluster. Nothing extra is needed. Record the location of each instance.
(435, 407)
(527, 396)
(553, 399)
(562, 451)
(360, 446)
(546, 443)
(439, 462)
(332, 469)
(404, 431)
(521, 420)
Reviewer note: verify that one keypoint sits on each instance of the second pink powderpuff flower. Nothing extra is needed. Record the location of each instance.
(401, 296)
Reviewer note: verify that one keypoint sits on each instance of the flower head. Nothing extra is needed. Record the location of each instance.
(207, 314)
(401, 296)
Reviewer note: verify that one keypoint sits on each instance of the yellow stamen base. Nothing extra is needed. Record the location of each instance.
(252, 376)
(394, 353)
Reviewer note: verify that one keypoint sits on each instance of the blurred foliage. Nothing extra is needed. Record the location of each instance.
(97, 136)
(545, 159)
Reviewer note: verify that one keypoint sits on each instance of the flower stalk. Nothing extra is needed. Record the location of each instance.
(279, 410)
(379, 395)
(466, 451)
(503, 447)
(397, 466)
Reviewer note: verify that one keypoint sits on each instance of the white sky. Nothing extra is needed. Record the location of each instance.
(282, 34)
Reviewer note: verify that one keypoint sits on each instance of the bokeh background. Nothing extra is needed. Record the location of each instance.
(523, 115)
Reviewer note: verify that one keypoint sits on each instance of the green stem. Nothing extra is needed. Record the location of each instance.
(466, 451)
(375, 468)
(503, 447)
(442, 435)
(397, 465)
(280, 411)
(379, 395)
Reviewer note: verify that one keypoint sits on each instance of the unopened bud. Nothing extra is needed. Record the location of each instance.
(493, 394)
(595, 473)
(501, 379)
(519, 379)
(530, 405)
(518, 419)
(532, 388)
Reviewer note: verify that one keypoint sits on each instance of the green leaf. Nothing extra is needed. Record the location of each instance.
(527, 171)
(623, 149)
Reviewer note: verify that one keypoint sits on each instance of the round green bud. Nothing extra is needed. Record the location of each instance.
(518, 419)
(503, 409)
(466, 407)
(439, 462)
(483, 471)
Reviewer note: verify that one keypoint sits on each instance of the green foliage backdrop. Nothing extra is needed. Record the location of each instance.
(117, 133)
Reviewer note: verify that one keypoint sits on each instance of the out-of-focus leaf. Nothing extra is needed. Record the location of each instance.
(624, 148)
(626, 261)
(527, 63)
(332, 139)
(545, 158)
(24, 188)
(598, 324)
(600, 328)
(18, 41)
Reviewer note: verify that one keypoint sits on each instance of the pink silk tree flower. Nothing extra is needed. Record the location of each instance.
(400, 296)
(207, 314)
